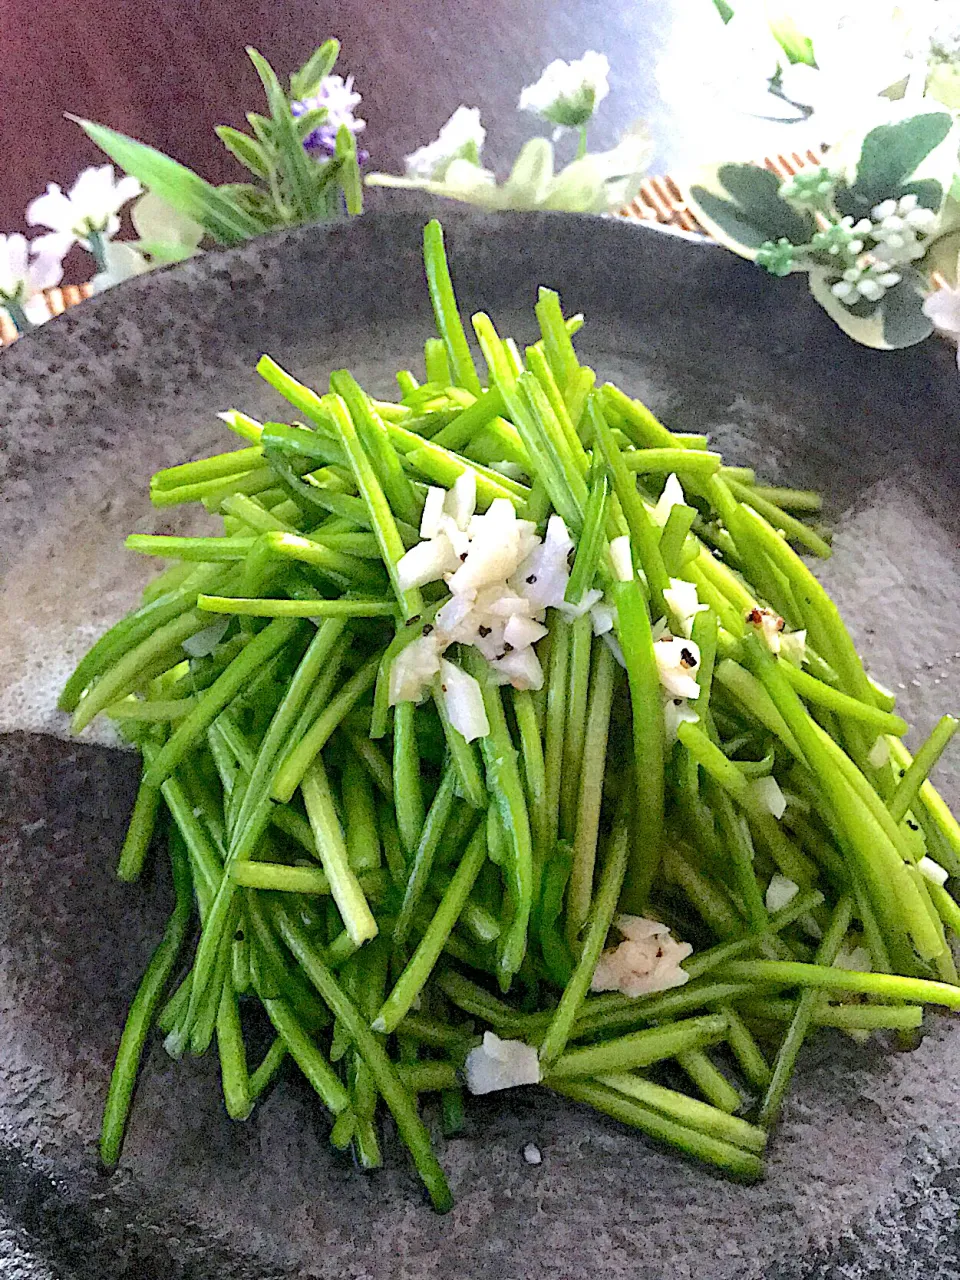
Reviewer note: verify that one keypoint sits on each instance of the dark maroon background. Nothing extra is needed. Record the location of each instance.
(167, 71)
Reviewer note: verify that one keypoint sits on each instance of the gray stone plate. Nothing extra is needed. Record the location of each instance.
(864, 1176)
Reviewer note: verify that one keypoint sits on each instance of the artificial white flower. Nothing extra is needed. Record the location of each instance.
(27, 269)
(568, 93)
(461, 138)
(89, 208)
(942, 309)
(123, 262)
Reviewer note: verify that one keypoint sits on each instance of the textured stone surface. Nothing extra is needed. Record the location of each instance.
(864, 1178)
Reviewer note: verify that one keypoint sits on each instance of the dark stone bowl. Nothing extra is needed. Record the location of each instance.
(864, 1175)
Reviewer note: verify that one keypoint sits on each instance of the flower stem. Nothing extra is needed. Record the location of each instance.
(19, 317)
(97, 248)
(582, 142)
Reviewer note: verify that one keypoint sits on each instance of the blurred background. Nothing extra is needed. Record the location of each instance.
(168, 71)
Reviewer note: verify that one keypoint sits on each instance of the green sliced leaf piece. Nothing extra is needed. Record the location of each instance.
(185, 190)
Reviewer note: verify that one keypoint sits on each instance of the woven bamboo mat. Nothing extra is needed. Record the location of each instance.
(658, 200)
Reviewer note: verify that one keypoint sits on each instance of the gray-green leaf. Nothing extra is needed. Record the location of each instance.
(891, 155)
(739, 204)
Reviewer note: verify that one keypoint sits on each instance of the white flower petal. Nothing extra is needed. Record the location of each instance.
(460, 138)
(53, 209)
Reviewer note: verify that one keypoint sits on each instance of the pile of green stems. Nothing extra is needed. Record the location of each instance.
(359, 889)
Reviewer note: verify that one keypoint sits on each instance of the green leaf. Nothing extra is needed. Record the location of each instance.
(797, 46)
(891, 156)
(175, 183)
(350, 181)
(296, 166)
(309, 121)
(897, 320)
(724, 10)
(263, 128)
(739, 205)
(530, 176)
(305, 82)
(246, 149)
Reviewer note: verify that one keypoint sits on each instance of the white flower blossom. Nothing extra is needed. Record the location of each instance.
(27, 269)
(461, 138)
(568, 93)
(89, 208)
(123, 262)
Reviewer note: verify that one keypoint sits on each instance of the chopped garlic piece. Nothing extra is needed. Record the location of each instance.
(522, 632)
(677, 663)
(684, 604)
(463, 701)
(426, 562)
(603, 616)
(672, 496)
(501, 1064)
(770, 626)
(793, 647)
(432, 511)
(648, 959)
(412, 670)
(879, 753)
(677, 711)
(587, 601)
(766, 792)
(622, 558)
(461, 501)
(780, 891)
(932, 871)
(521, 668)
(855, 958)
